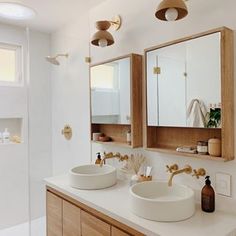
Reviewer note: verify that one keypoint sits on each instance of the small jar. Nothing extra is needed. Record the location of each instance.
(214, 147)
(202, 147)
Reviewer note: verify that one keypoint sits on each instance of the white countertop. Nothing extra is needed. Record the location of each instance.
(114, 202)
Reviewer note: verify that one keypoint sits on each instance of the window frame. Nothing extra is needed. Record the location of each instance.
(19, 82)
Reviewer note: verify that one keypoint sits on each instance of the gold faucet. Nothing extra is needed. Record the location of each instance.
(187, 170)
(111, 155)
(172, 168)
(199, 172)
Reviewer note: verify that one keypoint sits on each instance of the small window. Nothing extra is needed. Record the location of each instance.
(10, 65)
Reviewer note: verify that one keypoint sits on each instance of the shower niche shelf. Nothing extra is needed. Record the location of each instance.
(14, 126)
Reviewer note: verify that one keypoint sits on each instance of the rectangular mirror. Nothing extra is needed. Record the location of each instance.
(110, 92)
(182, 89)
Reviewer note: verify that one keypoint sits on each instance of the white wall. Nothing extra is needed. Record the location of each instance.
(14, 195)
(70, 96)
(40, 119)
(24, 166)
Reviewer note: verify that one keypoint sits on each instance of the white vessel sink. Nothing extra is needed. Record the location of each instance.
(157, 201)
(92, 177)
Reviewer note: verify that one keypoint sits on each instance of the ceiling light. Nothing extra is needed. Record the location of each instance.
(102, 37)
(16, 11)
(171, 10)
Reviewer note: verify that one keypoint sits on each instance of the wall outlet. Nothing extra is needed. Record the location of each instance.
(223, 184)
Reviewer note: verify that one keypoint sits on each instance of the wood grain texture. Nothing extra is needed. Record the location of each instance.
(54, 215)
(71, 219)
(118, 232)
(118, 132)
(167, 139)
(227, 93)
(92, 226)
(136, 101)
(96, 213)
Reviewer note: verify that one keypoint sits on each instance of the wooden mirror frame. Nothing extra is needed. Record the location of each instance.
(118, 132)
(167, 139)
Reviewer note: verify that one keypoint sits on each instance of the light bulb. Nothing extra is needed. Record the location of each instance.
(171, 14)
(102, 43)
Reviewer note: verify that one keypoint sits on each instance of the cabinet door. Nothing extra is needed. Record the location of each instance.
(118, 232)
(71, 219)
(54, 215)
(92, 226)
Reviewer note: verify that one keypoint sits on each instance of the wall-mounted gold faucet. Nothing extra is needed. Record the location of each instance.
(172, 168)
(199, 172)
(187, 170)
(112, 155)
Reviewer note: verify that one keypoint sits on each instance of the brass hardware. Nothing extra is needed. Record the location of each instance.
(88, 59)
(111, 155)
(199, 172)
(67, 132)
(143, 178)
(157, 70)
(187, 170)
(172, 168)
(116, 22)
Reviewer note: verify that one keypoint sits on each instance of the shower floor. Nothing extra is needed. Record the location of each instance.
(38, 228)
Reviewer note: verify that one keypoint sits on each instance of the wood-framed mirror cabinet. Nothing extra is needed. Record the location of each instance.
(116, 100)
(162, 131)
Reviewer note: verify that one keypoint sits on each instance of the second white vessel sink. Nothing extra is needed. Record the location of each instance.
(157, 201)
(92, 177)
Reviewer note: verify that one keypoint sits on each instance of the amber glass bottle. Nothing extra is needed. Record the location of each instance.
(208, 197)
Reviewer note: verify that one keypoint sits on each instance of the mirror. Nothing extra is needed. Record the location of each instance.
(110, 92)
(182, 89)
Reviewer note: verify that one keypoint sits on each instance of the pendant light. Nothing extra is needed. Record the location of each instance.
(102, 37)
(171, 10)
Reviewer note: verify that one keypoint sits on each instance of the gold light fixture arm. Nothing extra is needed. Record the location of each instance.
(116, 22)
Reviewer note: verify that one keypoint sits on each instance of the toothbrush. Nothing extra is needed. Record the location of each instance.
(148, 171)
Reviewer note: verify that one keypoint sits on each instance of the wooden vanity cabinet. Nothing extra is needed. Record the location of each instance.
(118, 232)
(71, 219)
(54, 215)
(90, 225)
(67, 217)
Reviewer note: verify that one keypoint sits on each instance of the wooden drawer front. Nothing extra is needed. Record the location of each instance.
(118, 232)
(92, 226)
(71, 219)
(54, 215)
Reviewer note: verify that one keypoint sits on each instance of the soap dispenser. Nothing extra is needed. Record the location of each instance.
(208, 197)
(99, 159)
(6, 136)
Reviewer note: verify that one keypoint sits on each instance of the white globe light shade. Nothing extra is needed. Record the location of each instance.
(171, 14)
(102, 43)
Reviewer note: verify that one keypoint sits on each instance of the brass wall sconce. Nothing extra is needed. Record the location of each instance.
(102, 37)
(171, 10)
(67, 132)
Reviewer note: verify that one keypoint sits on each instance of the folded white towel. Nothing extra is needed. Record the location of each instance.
(196, 114)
